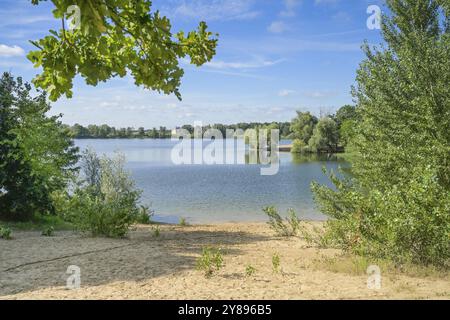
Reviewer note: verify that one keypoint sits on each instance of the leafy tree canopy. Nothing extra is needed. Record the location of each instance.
(325, 136)
(303, 126)
(115, 37)
(397, 202)
(37, 156)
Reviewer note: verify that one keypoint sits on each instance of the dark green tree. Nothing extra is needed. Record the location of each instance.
(37, 156)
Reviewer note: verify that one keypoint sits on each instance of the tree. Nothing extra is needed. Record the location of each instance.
(37, 156)
(113, 38)
(347, 132)
(325, 136)
(345, 113)
(396, 204)
(141, 132)
(303, 126)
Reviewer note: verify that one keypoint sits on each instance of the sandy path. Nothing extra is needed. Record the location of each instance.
(145, 267)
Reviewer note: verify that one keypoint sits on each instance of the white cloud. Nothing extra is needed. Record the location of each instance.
(211, 10)
(285, 92)
(342, 17)
(218, 64)
(318, 94)
(14, 51)
(289, 8)
(277, 27)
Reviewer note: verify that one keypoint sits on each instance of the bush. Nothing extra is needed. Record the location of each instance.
(144, 216)
(183, 222)
(5, 233)
(104, 203)
(250, 270)
(276, 263)
(156, 231)
(210, 261)
(299, 146)
(48, 232)
(285, 228)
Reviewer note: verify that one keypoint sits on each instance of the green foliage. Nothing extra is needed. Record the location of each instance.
(347, 132)
(299, 146)
(38, 222)
(156, 231)
(345, 113)
(113, 38)
(396, 202)
(37, 156)
(48, 231)
(250, 270)
(106, 132)
(183, 222)
(5, 233)
(303, 126)
(283, 227)
(210, 261)
(325, 136)
(276, 263)
(106, 202)
(144, 215)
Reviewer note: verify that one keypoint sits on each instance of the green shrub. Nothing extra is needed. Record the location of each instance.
(210, 261)
(144, 215)
(48, 231)
(105, 203)
(285, 228)
(5, 233)
(299, 146)
(183, 222)
(250, 270)
(156, 231)
(395, 202)
(276, 263)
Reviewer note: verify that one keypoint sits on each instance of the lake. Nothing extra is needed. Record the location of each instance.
(216, 193)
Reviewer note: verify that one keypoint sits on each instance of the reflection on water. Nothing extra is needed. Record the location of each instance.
(210, 193)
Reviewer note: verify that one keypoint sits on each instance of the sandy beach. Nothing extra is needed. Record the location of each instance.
(147, 267)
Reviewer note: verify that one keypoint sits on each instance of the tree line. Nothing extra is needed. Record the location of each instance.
(105, 131)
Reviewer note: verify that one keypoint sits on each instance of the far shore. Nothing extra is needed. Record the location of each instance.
(144, 266)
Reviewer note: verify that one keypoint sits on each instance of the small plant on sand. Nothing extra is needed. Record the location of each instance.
(283, 227)
(48, 231)
(210, 261)
(183, 222)
(276, 263)
(5, 233)
(250, 270)
(144, 215)
(156, 231)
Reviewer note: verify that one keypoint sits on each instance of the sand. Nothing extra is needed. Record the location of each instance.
(146, 267)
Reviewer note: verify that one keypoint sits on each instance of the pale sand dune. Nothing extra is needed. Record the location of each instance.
(144, 267)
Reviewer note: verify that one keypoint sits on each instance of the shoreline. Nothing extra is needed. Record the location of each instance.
(147, 267)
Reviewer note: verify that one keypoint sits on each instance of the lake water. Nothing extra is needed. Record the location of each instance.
(216, 193)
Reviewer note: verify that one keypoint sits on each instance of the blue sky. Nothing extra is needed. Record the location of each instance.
(274, 57)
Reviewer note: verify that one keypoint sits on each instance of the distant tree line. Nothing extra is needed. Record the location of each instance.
(107, 132)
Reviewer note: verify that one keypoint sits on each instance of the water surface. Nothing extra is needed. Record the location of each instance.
(216, 193)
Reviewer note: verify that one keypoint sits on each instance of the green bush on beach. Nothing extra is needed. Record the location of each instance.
(105, 202)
